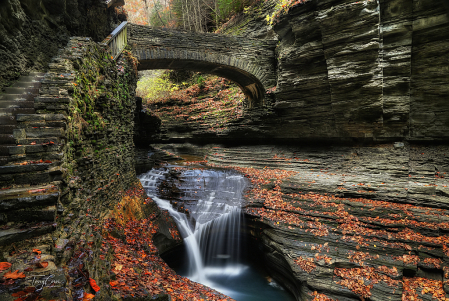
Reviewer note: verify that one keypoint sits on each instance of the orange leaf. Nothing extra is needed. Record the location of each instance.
(88, 297)
(113, 283)
(14, 275)
(94, 285)
(28, 270)
(4, 266)
(42, 264)
(37, 251)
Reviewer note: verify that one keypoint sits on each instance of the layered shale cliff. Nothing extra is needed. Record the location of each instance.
(351, 70)
(346, 223)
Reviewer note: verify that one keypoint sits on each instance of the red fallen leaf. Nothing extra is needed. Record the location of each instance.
(94, 285)
(88, 297)
(4, 266)
(14, 275)
(28, 270)
(37, 251)
(47, 161)
(42, 264)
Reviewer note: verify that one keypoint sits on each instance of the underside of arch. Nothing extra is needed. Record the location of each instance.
(250, 85)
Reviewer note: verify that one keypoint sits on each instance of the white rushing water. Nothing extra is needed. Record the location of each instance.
(212, 234)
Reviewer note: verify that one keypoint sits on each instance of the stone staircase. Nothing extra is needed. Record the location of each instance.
(30, 154)
(17, 99)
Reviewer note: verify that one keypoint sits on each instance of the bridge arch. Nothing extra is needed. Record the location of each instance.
(247, 62)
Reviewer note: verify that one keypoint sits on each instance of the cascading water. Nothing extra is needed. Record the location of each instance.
(212, 231)
(213, 244)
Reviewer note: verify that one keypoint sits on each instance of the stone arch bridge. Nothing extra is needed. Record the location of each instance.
(249, 62)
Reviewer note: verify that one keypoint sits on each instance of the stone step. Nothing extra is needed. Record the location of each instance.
(8, 120)
(19, 158)
(30, 122)
(20, 232)
(7, 139)
(18, 103)
(22, 90)
(26, 197)
(7, 129)
(15, 111)
(34, 178)
(26, 166)
(35, 174)
(32, 78)
(26, 84)
(37, 141)
(36, 214)
(18, 96)
(6, 149)
(45, 132)
(4, 160)
(37, 73)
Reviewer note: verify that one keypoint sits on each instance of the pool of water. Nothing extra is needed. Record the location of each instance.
(215, 252)
(242, 282)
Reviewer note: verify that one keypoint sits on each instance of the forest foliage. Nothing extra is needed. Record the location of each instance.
(198, 15)
(193, 15)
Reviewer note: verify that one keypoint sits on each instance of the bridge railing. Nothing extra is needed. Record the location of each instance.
(117, 40)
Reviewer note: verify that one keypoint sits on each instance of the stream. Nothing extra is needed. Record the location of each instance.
(206, 205)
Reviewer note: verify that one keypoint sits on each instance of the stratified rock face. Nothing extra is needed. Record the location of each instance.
(365, 69)
(347, 223)
(31, 32)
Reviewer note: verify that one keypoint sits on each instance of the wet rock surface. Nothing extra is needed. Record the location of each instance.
(347, 222)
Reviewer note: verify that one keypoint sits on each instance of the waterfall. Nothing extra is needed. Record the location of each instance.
(212, 232)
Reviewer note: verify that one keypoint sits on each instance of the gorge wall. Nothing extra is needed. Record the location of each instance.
(32, 32)
(352, 70)
(345, 222)
(368, 69)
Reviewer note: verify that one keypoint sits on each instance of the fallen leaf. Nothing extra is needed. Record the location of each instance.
(42, 264)
(88, 297)
(113, 283)
(37, 251)
(14, 275)
(4, 266)
(94, 285)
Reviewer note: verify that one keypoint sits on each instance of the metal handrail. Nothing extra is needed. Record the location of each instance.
(117, 40)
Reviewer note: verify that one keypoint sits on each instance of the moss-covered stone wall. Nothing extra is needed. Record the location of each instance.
(92, 98)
